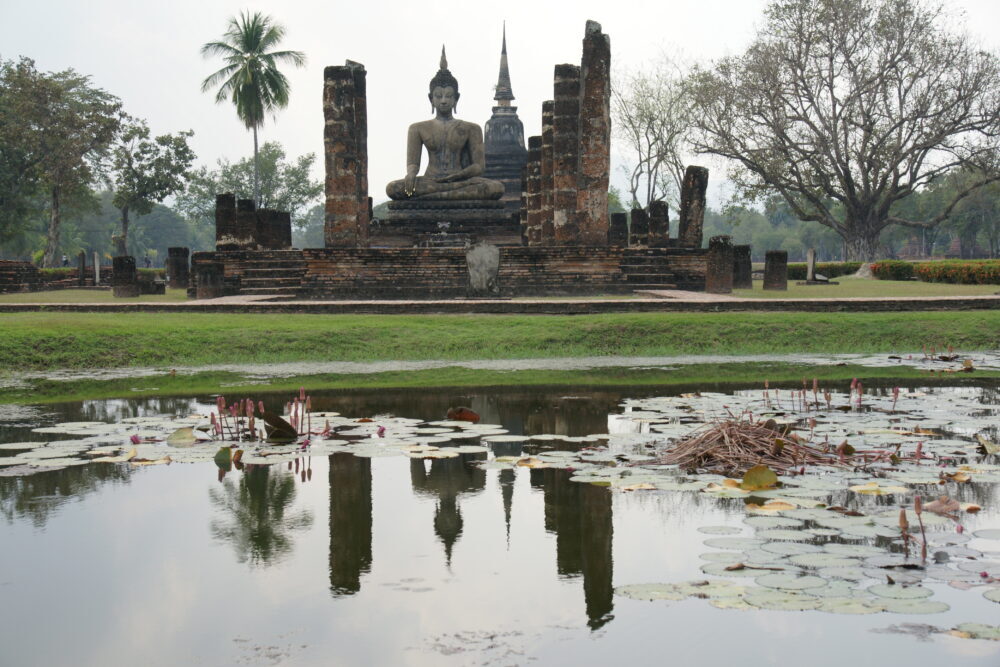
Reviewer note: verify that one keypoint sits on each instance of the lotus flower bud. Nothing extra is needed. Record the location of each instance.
(918, 505)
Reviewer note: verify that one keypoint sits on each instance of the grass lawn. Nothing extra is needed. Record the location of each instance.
(50, 340)
(88, 296)
(862, 287)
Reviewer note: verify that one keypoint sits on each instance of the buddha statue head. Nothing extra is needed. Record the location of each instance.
(443, 89)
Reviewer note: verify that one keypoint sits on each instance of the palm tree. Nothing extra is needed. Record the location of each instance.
(250, 77)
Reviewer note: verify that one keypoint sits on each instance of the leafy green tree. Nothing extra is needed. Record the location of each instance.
(857, 102)
(283, 185)
(146, 170)
(250, 78)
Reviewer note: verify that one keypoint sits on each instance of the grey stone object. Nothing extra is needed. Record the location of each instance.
(618, 230)
(776, 270)
(178, 272)
(483, 260)
(659, 224)
(124, 277)
(638, 228)
(208, 278)
(692, 212)
(742, 267)
(81, 276)
(719, 270)
(810, 265)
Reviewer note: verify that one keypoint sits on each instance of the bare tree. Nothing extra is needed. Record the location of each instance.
(650, 112)
(846, 107)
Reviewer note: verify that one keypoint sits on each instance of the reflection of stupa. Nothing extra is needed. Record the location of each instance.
(446, 480)
(580, 516)
(350, 522)
(504, 139)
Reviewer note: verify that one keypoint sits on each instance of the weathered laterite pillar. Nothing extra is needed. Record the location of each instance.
(659, 224)
(618, 230)
(208, 278)
(225, 220)
(177, 268)
(345, 144)
(282, 231)
(776, 270)
(245, 231)
(548, 230)
(638, 235)
(266, 218)
(81, 268)
(522, 213)
(742, 267)
(534, 169)
(692, 214)
(124, 277)
(565, 157)
(719, 271)
(594, 153)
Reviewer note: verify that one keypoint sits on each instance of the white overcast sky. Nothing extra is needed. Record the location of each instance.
(147, 53)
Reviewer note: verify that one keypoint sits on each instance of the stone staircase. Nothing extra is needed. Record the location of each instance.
(276, 273)
(645, 268)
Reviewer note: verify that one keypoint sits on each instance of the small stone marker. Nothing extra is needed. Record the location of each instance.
(483, 260)
(719, 272)
(97, 269)
(81, 273)
(742, 267)
(810, 265)
(776, 270)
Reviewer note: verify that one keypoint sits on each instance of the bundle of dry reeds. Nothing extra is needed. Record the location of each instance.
(734, 446)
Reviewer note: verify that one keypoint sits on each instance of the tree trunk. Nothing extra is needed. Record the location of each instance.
(52, 243)
(123, 248)
(256, 171)
(862, 248)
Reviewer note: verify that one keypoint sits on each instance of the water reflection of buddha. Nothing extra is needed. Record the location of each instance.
(455, 154)
(446, 479)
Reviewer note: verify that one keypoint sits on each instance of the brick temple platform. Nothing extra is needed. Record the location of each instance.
(435, 273)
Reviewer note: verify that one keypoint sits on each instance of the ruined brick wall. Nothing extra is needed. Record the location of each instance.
(533, 220)
(345, 145)
(692, 213)
(565, 154)
(594, 152)
(17, 276)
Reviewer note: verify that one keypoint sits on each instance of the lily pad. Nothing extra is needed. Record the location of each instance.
(900, 592)
(778, 600)
(650, 592)
(719, 530)
(823, 560)
(918, 606)
(790, 582)
(850, 606)
(993, 595)
(733, 542)
(790, 548)
(784, 534)
(976, 631)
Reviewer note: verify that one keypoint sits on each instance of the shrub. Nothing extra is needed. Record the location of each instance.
(962, 272)
(797, 271)
(153, 274)
(893, 270)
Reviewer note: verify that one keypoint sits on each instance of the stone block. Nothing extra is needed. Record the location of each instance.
(659, 224)
(533, 226)
(719, 271)
(565, 154)
(225, 220)
(178, 272)
(692, 213)
(547, 188)
(483, 261)
(209, 280)
(776, 270)
(618, 230)
(124, 277)
(638, 228)
(742, 267)
(81, 269)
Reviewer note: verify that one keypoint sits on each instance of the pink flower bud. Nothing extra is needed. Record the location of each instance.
(918, 505)
(135, 439)
(302, 393)
(260, 406)
(959, 529)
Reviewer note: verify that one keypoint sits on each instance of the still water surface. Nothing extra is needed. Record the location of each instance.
(341, 560)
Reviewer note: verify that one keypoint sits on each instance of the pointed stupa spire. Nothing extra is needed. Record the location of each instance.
(504, 94)
(444, 60)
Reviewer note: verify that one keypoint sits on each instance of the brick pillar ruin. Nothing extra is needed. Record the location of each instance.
(776, 270)
(208, 280)
(719, 268)
(533, 227)
(548, 231)
(345, 143)
(638, 228)
(618, 230)
(692, 213)
(522, 214)
(124, 277)
(265, 228)
(659, 224)
(594, 153)
(282, 231)
(565, 154)
(177, 268)
(245, 231)
(225, 220)
(742, 267)
(81, 268)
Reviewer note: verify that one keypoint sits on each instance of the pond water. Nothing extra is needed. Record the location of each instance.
(345, 554)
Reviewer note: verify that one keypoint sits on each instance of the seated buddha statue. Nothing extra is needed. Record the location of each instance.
(456, 158)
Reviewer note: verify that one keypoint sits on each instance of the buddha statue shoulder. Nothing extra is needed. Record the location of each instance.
(455, 154)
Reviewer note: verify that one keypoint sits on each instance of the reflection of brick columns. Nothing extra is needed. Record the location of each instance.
(639, 228)
(659, 224)
(719, 272)
(124, 277)
(565, 158)
(595, 136)
(177, 268)
(742, 268)
(345, 138)
(618, 230)
(208, 278)
(225, 220)
(548, 231)
(776, 270)
(534, 223)
(692, 213)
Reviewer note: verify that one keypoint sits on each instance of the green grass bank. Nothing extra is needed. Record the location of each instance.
(45, 341)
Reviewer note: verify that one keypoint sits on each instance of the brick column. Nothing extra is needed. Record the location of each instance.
(522, 213)
(282, 231)
(776, 270)
(265, 228)
(618, 230)
(345, 155)
(548, 231)
(124, 277)
(638, 228)
(659, 224)
(742, 267)
(719, 269)
(245, 231)
(595, 136)
(81, 267)
(225, 220)
(565, 158)
(534, 222)
(177, 268)
(208, 278)
(692, 214)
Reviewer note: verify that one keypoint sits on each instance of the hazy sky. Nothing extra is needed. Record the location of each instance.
(148, 55)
